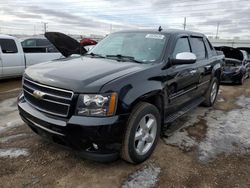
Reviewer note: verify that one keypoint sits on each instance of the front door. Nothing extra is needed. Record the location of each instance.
(182, 79)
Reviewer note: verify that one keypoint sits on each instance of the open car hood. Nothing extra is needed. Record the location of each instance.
(65, 44)
(231, 53)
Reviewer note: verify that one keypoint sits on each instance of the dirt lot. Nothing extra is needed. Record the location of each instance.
(206, 148)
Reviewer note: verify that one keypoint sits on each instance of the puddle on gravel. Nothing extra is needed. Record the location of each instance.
(215, 132)
(8, 105)
(9, 117)
(13, 152)
(15, 122)
(10, 138)
(146, 177)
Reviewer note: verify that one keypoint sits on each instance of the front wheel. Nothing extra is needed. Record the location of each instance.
(211, 93)
(242, 80)
(142, 133)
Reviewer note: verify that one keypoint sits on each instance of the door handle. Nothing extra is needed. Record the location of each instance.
(193, 71)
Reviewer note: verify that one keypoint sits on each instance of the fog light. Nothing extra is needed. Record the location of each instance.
(95, 146)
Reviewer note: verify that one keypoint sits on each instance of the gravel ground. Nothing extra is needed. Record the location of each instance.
(209, 147)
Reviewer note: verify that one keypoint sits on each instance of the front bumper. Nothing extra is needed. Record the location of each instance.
(231, 77)
(78, 132)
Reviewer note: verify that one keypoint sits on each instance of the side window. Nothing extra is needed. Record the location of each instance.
(198, 47)
(8, 46)
(29, 43)
(42, 42)
(182, 45)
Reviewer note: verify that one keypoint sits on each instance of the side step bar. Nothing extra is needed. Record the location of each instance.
(172, 117)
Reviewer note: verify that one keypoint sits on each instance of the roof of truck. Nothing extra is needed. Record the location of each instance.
(6, 37)
(164, 31)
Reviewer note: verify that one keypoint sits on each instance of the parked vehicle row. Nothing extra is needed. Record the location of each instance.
(15, 56)
(237, 65)
(13, 59)
(115, 99)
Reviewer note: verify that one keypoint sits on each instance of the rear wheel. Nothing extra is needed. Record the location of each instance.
(211, 93)
(142, 133)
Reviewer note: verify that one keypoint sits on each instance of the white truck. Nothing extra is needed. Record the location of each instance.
(13, 60)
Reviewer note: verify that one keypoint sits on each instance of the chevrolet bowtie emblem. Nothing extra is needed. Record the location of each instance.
(38, 94)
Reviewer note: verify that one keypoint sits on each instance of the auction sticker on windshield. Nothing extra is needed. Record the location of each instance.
(154, 36)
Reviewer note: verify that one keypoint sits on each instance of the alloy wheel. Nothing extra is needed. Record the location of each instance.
(213, 92)
(145, 134)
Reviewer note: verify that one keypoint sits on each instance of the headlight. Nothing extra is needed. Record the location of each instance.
(236, 69)
(96, 104)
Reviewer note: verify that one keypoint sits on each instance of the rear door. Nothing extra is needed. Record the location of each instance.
(12, 58)
(203, 65)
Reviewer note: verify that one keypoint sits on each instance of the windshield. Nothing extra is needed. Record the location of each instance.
(143, 47)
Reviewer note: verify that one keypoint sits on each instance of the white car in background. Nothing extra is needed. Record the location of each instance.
(13, 59)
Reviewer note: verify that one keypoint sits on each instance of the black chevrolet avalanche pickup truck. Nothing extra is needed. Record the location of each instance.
(115, 99)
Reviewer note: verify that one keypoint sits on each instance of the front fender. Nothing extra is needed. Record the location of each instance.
(135, 87)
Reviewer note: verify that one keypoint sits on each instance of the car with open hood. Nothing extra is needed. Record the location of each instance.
(115, 99)
(237, 67)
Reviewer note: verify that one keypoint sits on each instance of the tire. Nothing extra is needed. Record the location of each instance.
(242, 80)
(136, 150)
(211, 94)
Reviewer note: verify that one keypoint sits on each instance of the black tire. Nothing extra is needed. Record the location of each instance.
(242, 80)
(128, 150)
(209, 101)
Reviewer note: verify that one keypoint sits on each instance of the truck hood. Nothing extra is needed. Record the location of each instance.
(81, 74)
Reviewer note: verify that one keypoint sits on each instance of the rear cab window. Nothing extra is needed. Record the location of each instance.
(209, 47)
(8, 46)
(42, 42)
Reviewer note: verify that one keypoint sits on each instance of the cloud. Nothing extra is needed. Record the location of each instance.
(97, 16)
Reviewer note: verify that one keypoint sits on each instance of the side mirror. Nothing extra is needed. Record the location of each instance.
(184, 58)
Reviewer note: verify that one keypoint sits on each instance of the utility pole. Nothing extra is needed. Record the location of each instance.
(34, 29)
(111, 27)
(45, 26)
(217, 31)
(185, 23)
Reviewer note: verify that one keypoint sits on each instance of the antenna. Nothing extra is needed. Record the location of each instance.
(160, 29)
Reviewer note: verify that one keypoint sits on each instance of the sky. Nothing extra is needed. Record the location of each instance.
(100, 17)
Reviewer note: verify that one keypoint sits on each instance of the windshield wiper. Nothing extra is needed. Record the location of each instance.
(95, 55)
(123, 57)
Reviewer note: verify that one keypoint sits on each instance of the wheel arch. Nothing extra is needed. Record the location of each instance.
(217, 71)
(155, 98)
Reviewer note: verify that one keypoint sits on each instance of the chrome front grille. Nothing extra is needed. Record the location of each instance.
(47, 99)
